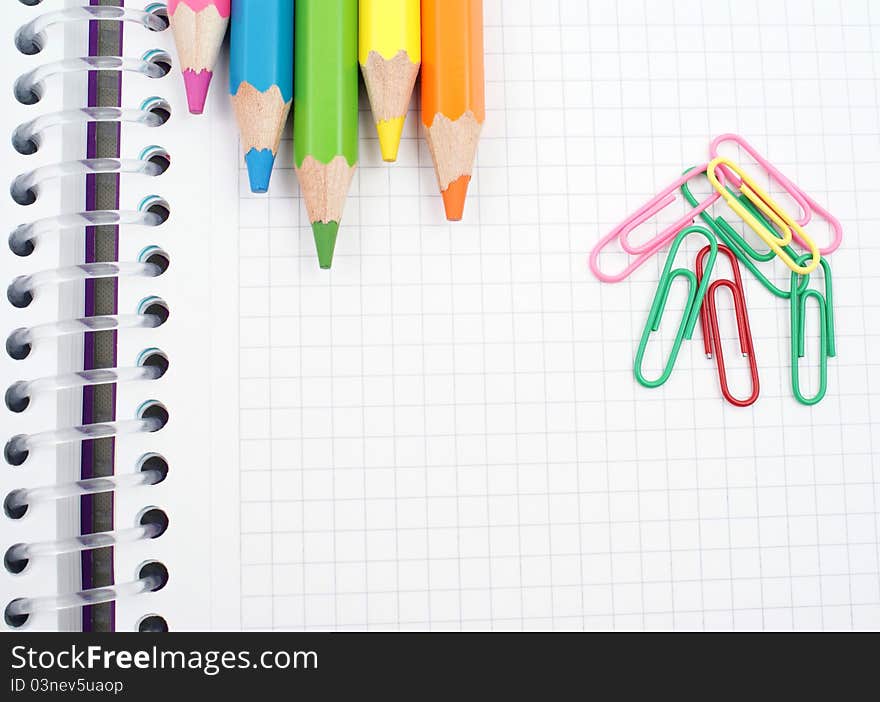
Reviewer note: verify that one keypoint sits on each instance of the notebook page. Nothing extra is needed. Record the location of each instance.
(444, 432)
(195, 238)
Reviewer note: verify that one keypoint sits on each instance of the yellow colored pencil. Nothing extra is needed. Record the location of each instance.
(390, 53)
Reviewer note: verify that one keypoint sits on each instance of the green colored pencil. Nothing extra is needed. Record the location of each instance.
(325, 112)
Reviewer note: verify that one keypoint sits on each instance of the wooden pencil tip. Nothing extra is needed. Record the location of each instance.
(454, 197)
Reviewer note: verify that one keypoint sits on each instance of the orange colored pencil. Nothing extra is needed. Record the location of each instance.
(453, 93)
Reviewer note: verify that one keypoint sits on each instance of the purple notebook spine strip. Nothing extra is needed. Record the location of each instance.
(87, 454)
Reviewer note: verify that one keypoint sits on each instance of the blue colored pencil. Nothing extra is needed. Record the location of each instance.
(261, 80)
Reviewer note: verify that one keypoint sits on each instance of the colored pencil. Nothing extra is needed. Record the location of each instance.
(325, 121)
(389, 52)
(199, 27)
(453, 93)
(261, 80)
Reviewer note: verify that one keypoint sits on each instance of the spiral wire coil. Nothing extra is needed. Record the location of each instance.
(152, 312)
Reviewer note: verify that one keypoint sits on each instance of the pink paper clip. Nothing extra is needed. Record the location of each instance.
(643, 252)
(808, 205)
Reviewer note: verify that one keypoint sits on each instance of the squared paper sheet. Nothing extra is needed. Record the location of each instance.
(444, 431)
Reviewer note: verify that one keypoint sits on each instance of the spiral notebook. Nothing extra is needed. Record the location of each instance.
(52, 316)
(443, 431)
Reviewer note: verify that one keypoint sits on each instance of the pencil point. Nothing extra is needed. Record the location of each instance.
(197, 85)
(325, 241)
(454, 197)
(259, 164)
(389, 137)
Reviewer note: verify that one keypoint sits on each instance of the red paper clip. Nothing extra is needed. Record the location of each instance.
(709, 323)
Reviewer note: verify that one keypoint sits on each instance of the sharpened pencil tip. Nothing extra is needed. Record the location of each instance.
(197, 85)
(454, 197)
(390, 131)
(260, 164)
(325, 241)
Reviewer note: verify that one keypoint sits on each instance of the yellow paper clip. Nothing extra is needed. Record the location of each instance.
(770, 209)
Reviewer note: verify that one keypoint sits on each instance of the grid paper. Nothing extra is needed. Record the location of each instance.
(444, 431)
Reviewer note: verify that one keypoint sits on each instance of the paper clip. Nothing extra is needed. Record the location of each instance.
(644, 251)
(691, 312)
(827, 345)
(767, 207)
(711, 334)
(743, 250)
(808, 205)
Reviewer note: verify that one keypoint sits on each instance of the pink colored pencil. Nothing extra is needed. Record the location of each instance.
(199, 28)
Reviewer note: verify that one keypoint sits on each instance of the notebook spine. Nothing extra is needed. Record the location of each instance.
(23, 449)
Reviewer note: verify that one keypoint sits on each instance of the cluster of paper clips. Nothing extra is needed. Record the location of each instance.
(782, 233)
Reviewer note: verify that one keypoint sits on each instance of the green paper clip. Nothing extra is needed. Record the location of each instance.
(691, 312)
(827, 347)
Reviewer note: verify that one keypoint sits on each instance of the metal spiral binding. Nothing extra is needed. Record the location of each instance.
(152, 312)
